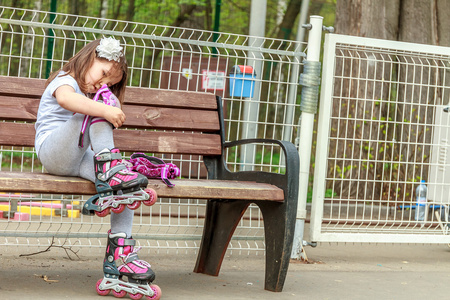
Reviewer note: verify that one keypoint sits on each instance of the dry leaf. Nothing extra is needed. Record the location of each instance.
(45, 277)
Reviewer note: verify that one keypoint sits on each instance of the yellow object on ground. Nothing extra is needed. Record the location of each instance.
(42, 211)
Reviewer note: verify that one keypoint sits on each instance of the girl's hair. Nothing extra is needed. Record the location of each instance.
(83, 60)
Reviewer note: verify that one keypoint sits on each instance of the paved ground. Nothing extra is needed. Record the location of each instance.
(337, 271)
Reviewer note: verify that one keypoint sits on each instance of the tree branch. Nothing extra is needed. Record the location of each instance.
(52, 245)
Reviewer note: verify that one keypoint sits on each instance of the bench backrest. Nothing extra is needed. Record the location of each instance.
(158, 121)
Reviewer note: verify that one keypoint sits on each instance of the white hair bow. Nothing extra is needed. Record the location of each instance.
(110, 49)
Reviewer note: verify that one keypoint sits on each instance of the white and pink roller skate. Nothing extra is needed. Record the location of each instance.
(121, 260)
(117, 187)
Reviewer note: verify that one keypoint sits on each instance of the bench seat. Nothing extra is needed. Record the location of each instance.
(40, 183)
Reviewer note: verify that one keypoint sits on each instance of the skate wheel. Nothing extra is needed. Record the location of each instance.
(135, 296)
(157, 292)
(102, 213)
(100, 291)
(152, 197)
(135, 205)
(120, 294)
(120, 208)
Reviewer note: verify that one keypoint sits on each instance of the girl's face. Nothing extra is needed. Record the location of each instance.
(102, 72)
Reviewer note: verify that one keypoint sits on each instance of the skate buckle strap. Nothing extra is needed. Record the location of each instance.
(107, 156)
(108, 98)
(129, 242)
(111, 172)
(153, 167)
(130, 257)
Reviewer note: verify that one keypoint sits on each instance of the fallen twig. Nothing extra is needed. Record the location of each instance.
(66, 249)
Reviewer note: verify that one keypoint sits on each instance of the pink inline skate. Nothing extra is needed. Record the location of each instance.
(121, 260)
(117, 187)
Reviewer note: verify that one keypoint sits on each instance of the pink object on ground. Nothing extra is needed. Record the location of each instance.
(17, 216)
(21, 216)
(41, 204)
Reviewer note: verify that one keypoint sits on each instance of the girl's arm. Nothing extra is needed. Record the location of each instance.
(72, 101)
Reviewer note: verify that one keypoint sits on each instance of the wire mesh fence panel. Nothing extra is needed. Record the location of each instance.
(257, 79)
(383, 127)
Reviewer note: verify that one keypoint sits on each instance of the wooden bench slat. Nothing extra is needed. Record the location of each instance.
(14, 108)
(25, 109)
(172, 118)
(25, 87)
(172, 98)
(22, 134)
(184, 188)
(167, 142)
(33, 88)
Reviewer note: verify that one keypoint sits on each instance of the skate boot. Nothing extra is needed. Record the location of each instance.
(121, 260)
(117, 187)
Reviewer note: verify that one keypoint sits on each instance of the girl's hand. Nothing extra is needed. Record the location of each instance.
(70, 100)
(115, 116)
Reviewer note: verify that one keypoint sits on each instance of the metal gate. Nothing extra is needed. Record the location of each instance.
(383, 127)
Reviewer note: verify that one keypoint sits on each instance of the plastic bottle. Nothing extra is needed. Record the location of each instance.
(421, 202)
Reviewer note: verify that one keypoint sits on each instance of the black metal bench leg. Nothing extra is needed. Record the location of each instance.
(279, 231)
(222, 217)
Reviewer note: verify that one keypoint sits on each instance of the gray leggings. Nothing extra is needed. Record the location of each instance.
(60, 155)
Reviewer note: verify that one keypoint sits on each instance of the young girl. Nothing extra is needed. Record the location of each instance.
(93, 156)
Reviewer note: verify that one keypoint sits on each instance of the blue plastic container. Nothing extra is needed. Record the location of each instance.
(242, 81)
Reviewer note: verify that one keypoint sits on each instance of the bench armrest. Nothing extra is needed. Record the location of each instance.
(217, 169)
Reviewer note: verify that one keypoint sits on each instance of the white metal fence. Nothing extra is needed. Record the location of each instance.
(34, 43)
(382, 128)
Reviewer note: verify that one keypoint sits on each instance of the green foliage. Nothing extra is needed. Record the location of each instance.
(268, 158)
(234, 14)
(16, 160)
(329, 193)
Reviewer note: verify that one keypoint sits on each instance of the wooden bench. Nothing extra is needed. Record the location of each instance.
(181, 123)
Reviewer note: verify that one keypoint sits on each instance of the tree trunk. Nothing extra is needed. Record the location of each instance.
(130, 11)
(28, 44)
(368, 18)
(416, 21)
(69, 44)
(117, 11)
(103, 11)
(443, 22)
(361, 85)
(288, 20)
(209, 11)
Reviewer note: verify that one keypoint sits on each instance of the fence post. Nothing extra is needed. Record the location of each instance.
(296, 69)
(51, 40)
(251, 105)
(310, 79)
